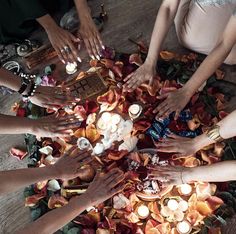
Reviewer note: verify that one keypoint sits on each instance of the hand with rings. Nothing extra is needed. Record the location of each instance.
(65, 43)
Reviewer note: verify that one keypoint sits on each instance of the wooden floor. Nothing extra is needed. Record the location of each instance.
(127, 18)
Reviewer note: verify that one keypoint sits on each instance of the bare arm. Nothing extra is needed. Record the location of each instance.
(147, 71)
(215, 58)
(67, 167)
(164, 20)
(103, 187)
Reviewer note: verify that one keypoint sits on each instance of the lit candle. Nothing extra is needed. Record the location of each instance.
(185, 189)
(143, 212)
(135, 110)
(173, 204)
(71, 68)
(183, 206)
(106, 117)
(115, 119)
(184, 227)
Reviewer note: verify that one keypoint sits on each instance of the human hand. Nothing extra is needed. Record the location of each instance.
(104, 186)
(181, 146)
(52, 97)
(144, 73)
(169, 175)
(91, 37)
(65, 44)
(174, 102)
(68, 166)
(54, 126)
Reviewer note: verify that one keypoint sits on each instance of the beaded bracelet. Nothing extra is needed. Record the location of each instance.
(24, 84)
(31, 91)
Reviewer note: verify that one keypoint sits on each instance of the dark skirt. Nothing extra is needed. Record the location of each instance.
(17, 17)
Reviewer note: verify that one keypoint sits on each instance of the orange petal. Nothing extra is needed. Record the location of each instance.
(158, 217)
(117, 155)
(133, 218)
(152, 206)
(81, 132)
(203, 208)
(164, 228)
(166, 55)
(33, 200)
(214, 202)
(194, 217)
(92, 133)
(191, 162)
(135, 59)
(56, 201)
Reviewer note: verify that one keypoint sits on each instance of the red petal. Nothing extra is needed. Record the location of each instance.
(141, 125)
(19, 154)
(21, 112)
(56, 201)
(135, 59)
(33, 200)
(80, 111)
(91, 107)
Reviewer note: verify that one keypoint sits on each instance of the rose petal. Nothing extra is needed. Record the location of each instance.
(56, 201)
(135, 59)
(33, 200)
(117, 155)
(19, 154)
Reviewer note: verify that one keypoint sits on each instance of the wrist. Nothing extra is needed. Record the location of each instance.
(201, 141)
(151, 62)
(82, 202)
(187, 91)
(28, 125)
(47, 22)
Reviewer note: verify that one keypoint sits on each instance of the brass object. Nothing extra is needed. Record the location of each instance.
(214, 133)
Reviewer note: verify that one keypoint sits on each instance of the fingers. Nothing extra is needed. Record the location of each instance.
(163, 104)
(118, 189)
(89, 49)
(128, 77)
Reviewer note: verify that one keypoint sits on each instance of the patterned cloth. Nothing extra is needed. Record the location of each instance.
(216, 3)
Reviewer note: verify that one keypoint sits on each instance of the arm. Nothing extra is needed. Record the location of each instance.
(102, 188)
(147, 71)
(215, 58)
(218, 172)
(67, 167)
(177, 100)
(183, 146)
(88, 30)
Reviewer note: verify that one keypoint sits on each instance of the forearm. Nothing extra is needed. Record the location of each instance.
(164, 20)
(227, 130)
(82, 9)
(9, 80)
(47, 22)
(218, 172)
(15, 125)
(56, 219)
(15, 179)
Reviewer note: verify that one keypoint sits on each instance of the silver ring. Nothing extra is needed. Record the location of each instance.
(67, 49)
(62, 50)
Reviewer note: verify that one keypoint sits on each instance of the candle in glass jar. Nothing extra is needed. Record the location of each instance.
(135, 110)
(71, 68)
(183, 206)
(184, 227)
(143, 212)
(173, 204)
(185, 189)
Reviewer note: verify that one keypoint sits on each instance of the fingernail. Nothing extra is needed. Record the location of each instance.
(77, 99)
(93, 58)
(63, 61)
(97, 56)
(103, 47)
(79, 59)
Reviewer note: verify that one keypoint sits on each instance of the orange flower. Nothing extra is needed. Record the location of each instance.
(56, 201)
(91, 133)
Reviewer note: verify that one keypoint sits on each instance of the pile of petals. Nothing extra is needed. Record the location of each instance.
(118, 214)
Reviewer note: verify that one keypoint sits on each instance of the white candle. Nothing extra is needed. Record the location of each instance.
(106, 117)
(185, 189)
(134, 109)
(184, 227)
(183, 206)
(143, 211)
(173, 204)
(115, 119)
(71, 68)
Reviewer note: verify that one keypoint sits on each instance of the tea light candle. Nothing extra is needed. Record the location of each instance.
(135, 110)
(143, 212)
(173, 204)
(115, 119)
(185, 189)
(106, 117)
(183, 206)
(184, 227)
(71, 68)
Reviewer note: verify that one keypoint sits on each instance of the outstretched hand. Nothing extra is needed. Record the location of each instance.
(104, 186)
(174, 102)
(141, 75)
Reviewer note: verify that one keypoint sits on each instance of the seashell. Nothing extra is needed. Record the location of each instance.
(129, 144)
(83, 143)
(98, 149)
(53, 185)
(135, 111)
(91, 119)
(46, 150)
(50, 159)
